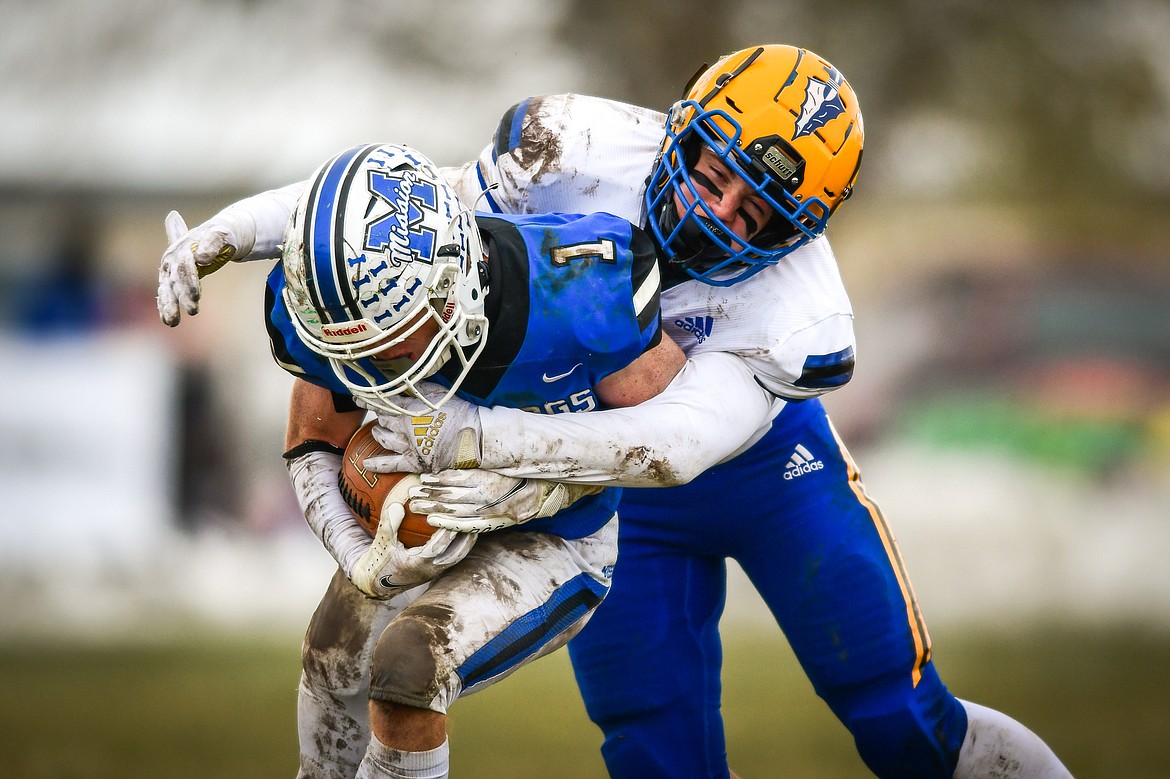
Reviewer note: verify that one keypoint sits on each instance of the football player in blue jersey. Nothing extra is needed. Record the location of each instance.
(388, 279)
(763, 148)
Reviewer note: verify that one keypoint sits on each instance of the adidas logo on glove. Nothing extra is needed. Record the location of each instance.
(426, 429)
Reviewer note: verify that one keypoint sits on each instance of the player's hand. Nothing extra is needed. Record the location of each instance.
(193, 254)
(475, 501)
(388, 568)
(428, 441)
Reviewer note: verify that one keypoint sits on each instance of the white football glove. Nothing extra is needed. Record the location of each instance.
(388, 568)
(193, 254)
(380, 567)
(427, 441)
(475, 501)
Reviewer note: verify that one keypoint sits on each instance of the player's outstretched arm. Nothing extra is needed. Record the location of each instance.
(251, 229)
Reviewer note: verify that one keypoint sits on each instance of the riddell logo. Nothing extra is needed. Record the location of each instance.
(801, 462)
(337, 332)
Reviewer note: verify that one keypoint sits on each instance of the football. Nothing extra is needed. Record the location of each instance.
(366, 492)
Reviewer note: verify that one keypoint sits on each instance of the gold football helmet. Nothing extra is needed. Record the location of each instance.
(785, 121)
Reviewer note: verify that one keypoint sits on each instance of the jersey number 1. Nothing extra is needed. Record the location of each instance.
(604, 250)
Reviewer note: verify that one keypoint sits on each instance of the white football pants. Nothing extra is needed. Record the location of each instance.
(516, 596)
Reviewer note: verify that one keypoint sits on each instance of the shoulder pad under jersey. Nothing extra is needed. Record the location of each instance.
(568, 153)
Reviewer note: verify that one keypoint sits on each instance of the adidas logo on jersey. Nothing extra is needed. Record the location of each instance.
(699, 326)
(801, 462)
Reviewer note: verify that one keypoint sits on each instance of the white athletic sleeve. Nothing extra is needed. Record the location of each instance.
(270, 211)
(713, 410)
(314, 481)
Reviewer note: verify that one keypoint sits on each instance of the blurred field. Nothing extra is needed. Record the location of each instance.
(216, 706)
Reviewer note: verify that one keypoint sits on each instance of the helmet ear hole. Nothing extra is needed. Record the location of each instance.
(691, 151)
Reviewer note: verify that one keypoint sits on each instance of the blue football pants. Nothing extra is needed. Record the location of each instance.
(793, 513)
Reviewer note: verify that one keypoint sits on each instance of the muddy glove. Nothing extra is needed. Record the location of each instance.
(380, 567)
(475, 501)
(428, 441)
(249, 229)
(388, 568)
(193, 254)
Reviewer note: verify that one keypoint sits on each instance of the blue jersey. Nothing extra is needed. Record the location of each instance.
(570, 299)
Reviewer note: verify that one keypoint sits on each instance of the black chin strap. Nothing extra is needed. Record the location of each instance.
(691, 247)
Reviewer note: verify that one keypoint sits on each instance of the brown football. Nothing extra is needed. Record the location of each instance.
(366, 492)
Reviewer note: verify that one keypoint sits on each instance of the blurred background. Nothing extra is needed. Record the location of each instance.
(1007, 252)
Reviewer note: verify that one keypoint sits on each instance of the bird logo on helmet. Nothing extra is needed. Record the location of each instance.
(785, 122)
(379, 248)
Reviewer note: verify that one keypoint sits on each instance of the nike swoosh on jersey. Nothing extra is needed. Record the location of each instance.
(550, 379)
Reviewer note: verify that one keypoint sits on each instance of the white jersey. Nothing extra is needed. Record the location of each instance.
(787, 329)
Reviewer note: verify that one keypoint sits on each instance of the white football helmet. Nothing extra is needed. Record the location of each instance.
(378, 247)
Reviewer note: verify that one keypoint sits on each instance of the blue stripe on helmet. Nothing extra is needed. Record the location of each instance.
(487, 193)
(324, 227)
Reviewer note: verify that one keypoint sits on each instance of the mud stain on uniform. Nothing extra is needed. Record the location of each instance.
(334, 672)
(407, 660)
(639, 459)
(540, 150)
(337, 634)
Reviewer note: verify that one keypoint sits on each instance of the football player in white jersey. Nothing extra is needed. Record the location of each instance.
(762, 150)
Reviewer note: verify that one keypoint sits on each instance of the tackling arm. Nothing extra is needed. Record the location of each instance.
(712, 409)
(271, 211)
